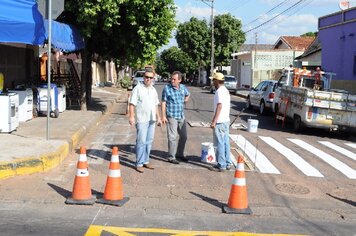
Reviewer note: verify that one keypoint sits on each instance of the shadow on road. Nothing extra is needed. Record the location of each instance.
(212, 201)
(63, 192)
(352, 203)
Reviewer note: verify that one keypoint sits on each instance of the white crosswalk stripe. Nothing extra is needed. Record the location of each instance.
(340, 166)
(353, 145)
(339, 149)
(264, 165)
(260, 160)
(293, 157)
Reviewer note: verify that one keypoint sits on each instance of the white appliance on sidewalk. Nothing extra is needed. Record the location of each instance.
(9, 116)
(62, 98)
(42, 100)
(25, 104)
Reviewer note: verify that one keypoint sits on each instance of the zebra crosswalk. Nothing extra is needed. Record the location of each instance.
(265, 165)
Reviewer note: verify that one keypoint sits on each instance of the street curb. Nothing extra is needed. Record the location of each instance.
(47, 161)
(241, 95)
(29, 165)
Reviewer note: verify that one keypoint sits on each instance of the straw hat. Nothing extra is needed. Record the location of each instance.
(218, 76)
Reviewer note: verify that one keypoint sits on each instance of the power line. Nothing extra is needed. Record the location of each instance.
(266, 22)
(269, 11)
(298, 8)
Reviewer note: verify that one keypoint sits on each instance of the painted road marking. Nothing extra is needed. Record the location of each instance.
(97, 230)
(260, 160)
(233, 159)
(339, 149)
(340, 166)
(353, 145)
(293, 157)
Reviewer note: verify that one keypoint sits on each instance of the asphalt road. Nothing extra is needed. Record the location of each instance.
(188, 197)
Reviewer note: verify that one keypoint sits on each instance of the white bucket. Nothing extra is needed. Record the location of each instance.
(207, 153)
(252, 125)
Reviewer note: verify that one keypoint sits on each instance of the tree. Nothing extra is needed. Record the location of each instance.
(228, 36)
(173, 59)
(309, 34)
(193, 38)
(128, 31)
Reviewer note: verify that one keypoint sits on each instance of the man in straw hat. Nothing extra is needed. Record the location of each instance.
(220, 124)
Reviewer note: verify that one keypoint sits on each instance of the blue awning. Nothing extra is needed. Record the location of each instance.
(21, 22)
(65, 37)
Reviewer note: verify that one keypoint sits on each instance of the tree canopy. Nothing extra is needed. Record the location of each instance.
(309, 34)
(173, 59)
(228, 36)
(194, 38)
(129, 31)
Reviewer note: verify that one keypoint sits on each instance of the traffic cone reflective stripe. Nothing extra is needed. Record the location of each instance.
(113, 193)
(238, 201)
(239, 182)
(81, 194)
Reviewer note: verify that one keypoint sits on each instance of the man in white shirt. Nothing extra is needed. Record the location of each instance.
(221, 124)
(143, 112)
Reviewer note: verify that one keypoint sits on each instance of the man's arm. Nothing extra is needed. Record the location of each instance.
(164, 109)
(158, 117)
(186, 98)
(216, 115)
(131, 114)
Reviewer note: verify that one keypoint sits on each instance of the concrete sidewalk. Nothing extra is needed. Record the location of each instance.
(242, 93)
(27, 149)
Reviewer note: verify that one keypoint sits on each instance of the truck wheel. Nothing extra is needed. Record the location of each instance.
(262, 107)
(297, 124)
(248, 103)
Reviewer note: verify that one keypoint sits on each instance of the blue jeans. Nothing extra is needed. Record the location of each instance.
(222, 143)
(144, 139)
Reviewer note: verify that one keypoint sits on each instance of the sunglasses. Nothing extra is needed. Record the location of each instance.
(148, 77)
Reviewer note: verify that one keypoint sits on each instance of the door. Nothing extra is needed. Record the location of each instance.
(256, 94)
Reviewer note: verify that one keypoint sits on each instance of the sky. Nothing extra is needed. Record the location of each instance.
(292, 17)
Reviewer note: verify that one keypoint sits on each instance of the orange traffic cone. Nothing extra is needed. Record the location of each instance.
(81, 194)
(238, 202)
(113, 193)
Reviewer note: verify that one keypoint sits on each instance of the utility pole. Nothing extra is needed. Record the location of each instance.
(49, 65)
(212, 39)
(212, 34)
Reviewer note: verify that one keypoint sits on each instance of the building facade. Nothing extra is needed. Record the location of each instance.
(255, 63)
(337, 34)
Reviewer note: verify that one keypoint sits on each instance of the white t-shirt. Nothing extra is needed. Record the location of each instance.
(145, 100)
(222, 96)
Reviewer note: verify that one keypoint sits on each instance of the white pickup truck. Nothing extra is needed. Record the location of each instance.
(297, 99)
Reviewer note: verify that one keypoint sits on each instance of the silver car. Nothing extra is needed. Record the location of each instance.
(230, 84)
(262, 96)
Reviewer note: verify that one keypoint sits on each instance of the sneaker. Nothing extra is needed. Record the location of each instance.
(140, 169)
(183, 158)
(228, 167)
(174, 161)
(216, 168)
(148, 166)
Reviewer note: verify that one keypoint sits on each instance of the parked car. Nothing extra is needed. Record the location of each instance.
(230, 83)
(138, 78)
(261, 96)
